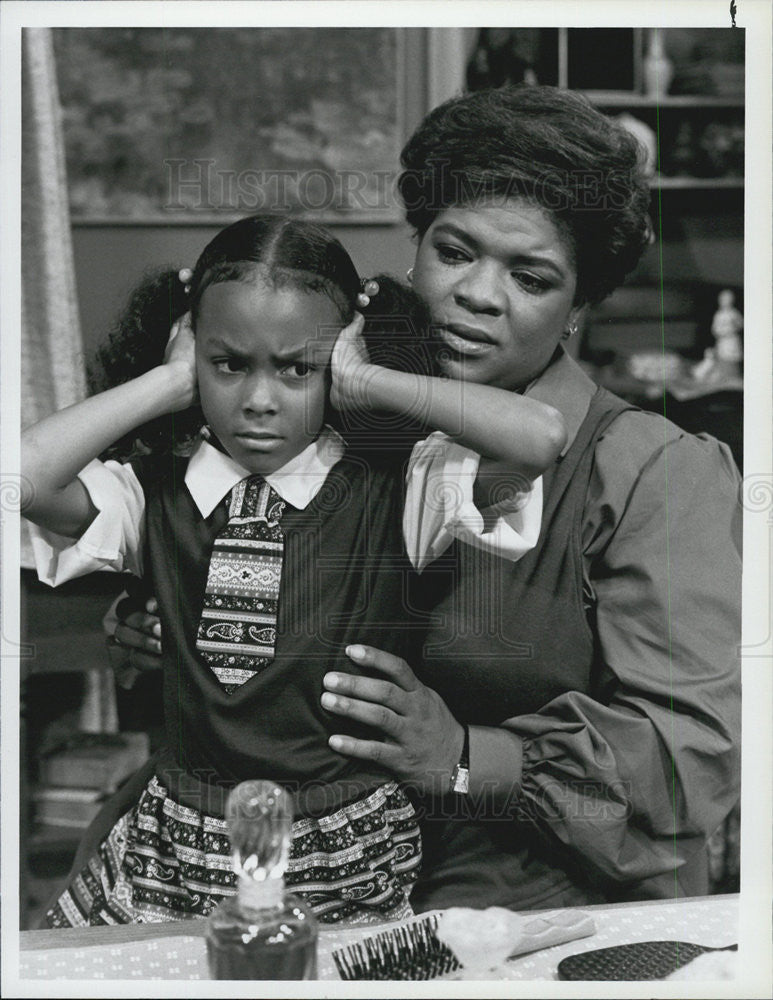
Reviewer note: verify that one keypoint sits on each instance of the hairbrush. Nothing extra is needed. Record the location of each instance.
(639, 961)
(413, 951)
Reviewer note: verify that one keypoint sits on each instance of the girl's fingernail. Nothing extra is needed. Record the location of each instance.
(356, 652)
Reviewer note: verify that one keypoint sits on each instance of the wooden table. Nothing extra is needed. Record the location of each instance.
(177, 951)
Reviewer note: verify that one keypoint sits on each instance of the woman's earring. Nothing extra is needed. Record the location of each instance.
(570, 330)
(409, 275)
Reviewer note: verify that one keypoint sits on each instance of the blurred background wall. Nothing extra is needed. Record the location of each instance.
(696, 105)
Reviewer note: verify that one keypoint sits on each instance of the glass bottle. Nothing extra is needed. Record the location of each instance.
(658, 68)
(262, 932)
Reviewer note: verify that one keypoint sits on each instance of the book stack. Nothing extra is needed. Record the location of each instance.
(77, 776)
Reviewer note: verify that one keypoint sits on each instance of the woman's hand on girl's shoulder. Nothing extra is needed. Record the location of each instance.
(348, 365)
(180, 360)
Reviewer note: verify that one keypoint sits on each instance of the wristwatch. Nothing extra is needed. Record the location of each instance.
(460, 778)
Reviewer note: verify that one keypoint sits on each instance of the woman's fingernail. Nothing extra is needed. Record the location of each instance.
(336, 743)
(356, 652)
(328, 700)
(331, 681)
(157, 630)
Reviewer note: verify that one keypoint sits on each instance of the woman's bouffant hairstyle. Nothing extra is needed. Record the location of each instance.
(550, 147)
(283, 251)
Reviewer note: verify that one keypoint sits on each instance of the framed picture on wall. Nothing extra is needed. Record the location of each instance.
(185, 125)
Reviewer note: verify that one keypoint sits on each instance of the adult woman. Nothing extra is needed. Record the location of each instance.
(599, 677)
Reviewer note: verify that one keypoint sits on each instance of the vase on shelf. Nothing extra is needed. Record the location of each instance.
(658, 68)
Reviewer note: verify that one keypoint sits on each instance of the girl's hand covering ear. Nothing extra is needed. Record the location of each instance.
(180, 359)
(349, 365)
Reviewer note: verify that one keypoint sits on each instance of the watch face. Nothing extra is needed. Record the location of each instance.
(461, 780)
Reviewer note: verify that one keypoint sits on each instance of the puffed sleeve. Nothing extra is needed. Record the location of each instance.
(439, 506)
(113, 540)
(635, 776)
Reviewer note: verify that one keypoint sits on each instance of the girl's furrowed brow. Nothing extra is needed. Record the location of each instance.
(292, 353)
(218, 344)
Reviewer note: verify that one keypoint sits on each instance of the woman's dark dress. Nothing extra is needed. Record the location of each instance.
(600, 675)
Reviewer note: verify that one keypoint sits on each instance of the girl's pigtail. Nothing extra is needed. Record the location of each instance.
(136, 345)
(397, 329)
(397, 334)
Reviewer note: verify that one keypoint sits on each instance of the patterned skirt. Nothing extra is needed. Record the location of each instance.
(164, 861)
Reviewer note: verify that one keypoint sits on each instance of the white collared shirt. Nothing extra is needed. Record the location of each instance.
(212, 474)
(438, 506)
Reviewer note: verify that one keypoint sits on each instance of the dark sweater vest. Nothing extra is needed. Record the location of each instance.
(344, 580)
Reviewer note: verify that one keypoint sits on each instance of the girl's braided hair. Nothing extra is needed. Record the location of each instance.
(285, 252)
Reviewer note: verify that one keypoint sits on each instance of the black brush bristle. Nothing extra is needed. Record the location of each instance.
(410, 952)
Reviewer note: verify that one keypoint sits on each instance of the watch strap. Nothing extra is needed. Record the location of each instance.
(460, 777)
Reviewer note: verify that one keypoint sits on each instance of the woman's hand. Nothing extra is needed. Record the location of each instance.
(422, 742)
(180, 360)
(349, 365)
(135, 645)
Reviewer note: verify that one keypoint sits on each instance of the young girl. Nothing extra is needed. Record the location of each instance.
(270, 549)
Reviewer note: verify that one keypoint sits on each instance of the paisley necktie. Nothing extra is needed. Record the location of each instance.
(237, 631)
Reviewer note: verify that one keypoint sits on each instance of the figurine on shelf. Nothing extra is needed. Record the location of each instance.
(723, 360)
(726, 328)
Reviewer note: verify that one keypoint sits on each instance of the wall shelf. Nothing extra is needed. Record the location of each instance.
(629, 99)
(696, 183)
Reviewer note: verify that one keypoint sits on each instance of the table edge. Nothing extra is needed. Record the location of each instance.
(80, 937)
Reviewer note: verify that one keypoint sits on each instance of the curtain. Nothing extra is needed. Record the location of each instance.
(52, 367)
(52, 359)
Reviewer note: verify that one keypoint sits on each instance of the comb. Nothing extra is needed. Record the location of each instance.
(414, 952)
(633, 962)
